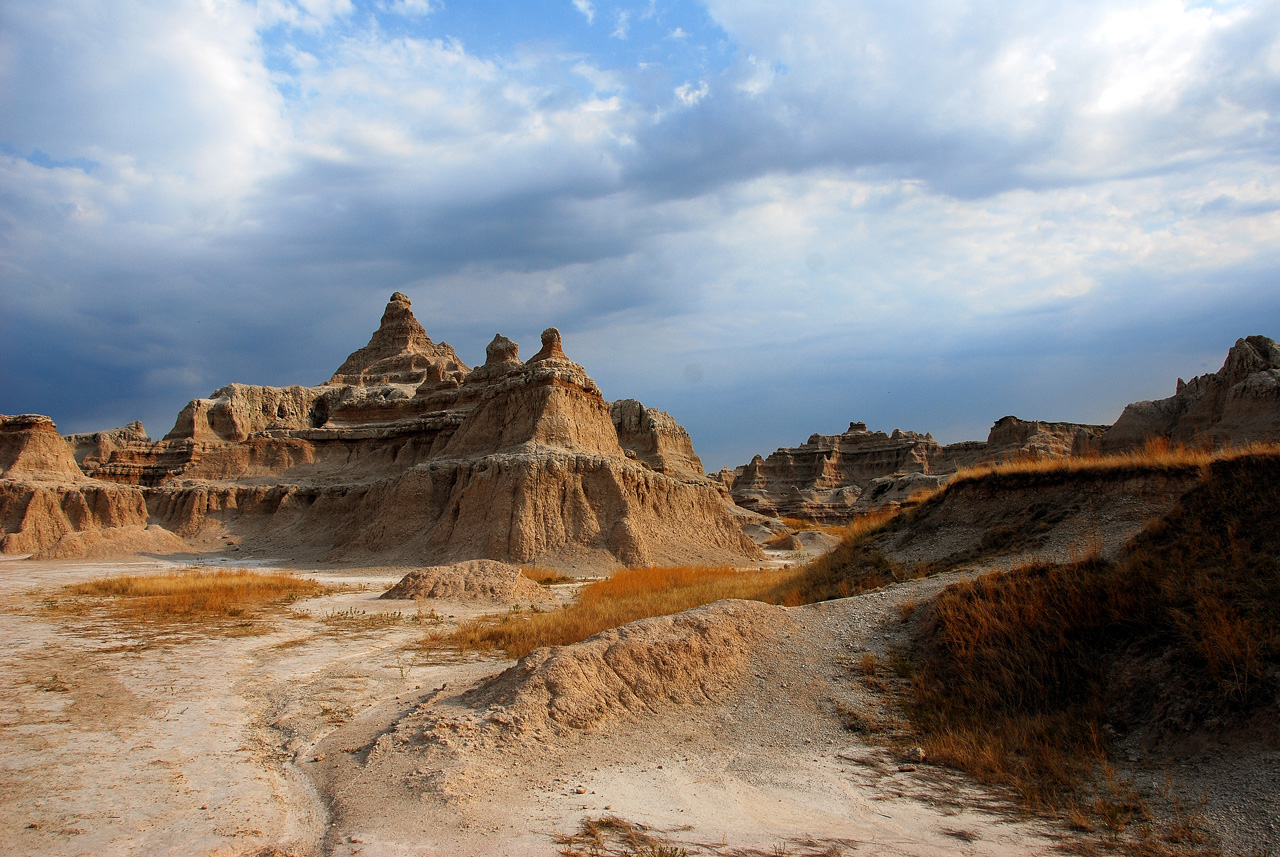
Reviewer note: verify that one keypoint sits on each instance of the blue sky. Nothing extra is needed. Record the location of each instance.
(768, 219)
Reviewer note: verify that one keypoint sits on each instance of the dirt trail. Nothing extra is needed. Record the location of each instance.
(303, 740)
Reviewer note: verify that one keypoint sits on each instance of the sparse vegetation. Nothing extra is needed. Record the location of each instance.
(854, 566)
(1014, 678)
(629, 595)
(610, 836)
(190, 594)
(1157, 455)
(546, 576)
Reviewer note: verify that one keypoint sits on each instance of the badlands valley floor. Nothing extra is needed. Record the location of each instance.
(295, 736)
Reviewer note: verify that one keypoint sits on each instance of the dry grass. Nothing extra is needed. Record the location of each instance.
(1158, 454)
(798, 525)
(850, 568)
(546, 576)
(192, 594)
(1015, 673)
(636, 593)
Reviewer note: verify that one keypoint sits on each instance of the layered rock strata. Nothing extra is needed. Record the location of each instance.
(44, 496)
(653, 437)
(1237, 405)
(405, 454)
(831, 478)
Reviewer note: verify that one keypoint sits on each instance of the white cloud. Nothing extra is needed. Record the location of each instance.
(958, 173)
(410, 8)
(622, 27)
(690, 96)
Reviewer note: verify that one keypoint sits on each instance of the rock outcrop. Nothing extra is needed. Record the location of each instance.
(1238, 404)
(654, 438)
(400, 352)
(31, 448)
(831, 478)
(1012, 438)
(96, 447)
(406, 455)
(827, 478)
(44, 496)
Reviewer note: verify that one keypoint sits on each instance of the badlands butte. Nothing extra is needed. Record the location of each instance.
(406, 455)
(818, 709)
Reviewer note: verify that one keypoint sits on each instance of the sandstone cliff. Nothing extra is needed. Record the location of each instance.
(407, 455)
(1238, 404)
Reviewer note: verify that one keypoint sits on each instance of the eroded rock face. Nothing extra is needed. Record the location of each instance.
(420, 460)
(831, 478)
(97, 446)
(826, 478)
(1238, 404)
(400, 352)
(1011, 438)
(655, 438)
(31, 448)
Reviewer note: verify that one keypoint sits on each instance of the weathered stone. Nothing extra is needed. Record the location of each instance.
(418, 459)
(1238, 404)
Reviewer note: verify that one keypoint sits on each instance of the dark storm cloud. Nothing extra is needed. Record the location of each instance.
(1004, 199)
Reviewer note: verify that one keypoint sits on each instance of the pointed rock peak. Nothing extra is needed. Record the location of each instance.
(399, 352)
(551, 349)
(501, 350)
(1249, 355)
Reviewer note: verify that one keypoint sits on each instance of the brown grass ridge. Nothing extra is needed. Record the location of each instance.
(1019, 675)
(628, 596)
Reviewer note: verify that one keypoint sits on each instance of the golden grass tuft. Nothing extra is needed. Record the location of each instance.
(193, 594)
(830, 575)
(628, 596)
(545, 576)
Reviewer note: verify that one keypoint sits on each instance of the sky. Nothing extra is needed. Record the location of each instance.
(767, 219)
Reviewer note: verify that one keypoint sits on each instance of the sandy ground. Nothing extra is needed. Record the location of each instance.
(117, 740)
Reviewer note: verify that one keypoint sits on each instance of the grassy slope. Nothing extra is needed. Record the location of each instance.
(1015, 673)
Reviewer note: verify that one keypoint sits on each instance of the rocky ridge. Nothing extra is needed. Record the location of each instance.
(1238, 404)
(831, 478)
(406, 453)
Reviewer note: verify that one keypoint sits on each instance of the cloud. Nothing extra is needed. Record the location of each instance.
(922, 214)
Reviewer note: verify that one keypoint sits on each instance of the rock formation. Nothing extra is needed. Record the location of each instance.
(405, 454)
(831, 478)
(1238, 404)
(44, 497)
(826, 477)
(655, 438)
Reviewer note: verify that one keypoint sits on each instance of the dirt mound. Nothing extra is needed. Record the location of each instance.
(477, 580)
(1055, 516)
(697, 657)
(115, 542)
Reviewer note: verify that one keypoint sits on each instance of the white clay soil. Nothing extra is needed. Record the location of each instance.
(299, 739)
